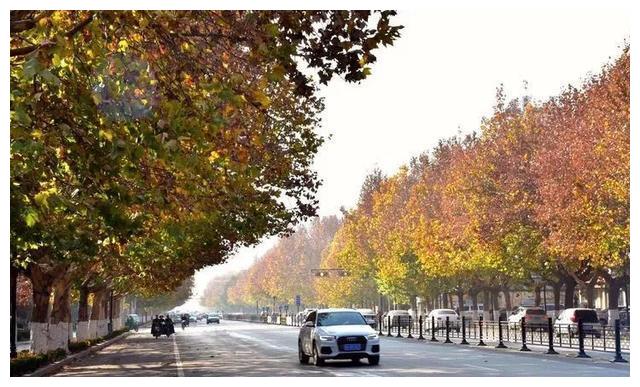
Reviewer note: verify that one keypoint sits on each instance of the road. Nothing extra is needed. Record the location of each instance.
(249, 349)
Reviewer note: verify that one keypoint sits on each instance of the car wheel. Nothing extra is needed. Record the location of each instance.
(303, 357)
(317, 360)
(374, 360)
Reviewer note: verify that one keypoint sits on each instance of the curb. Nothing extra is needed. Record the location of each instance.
(55, 367)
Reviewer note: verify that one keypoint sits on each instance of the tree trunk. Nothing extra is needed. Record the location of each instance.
(474, 301)
(41, 283)
(537, 298)
(486, 299)
(569, 290)
(60, 314)
(614, 293)
(13, 305)
(507, 298)
(557, 288)
(460, 295)
(495, 304)
(590, 293)
(83, 315)
(97, 314)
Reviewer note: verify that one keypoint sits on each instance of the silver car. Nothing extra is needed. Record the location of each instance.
(337, 334)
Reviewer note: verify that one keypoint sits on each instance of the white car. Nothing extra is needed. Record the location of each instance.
(533, 317)
(337, 334)
(567, 322)
(440, 318)
(370, 316)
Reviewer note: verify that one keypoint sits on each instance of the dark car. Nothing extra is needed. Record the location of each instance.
(213, 318)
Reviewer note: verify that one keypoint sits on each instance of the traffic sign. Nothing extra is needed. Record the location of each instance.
(298, 301)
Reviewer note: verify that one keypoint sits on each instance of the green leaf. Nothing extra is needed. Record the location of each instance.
(31, 67)
(31, 218)
(49, 77)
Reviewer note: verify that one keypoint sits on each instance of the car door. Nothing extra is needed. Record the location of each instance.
(306, 332)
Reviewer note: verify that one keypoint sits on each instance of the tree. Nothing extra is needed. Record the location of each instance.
(145, 140)
(583, 174)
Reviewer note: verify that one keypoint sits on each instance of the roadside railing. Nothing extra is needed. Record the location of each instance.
(579, 336)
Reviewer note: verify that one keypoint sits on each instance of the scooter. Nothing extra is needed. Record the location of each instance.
(156, 330)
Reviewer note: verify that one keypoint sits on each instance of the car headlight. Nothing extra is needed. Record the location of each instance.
(373, 336)
(327, 338)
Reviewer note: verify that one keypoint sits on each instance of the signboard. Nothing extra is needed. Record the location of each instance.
(298, 301)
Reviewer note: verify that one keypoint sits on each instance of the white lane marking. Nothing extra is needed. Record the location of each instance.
(258, 341)
(481, 367)
(176, 352)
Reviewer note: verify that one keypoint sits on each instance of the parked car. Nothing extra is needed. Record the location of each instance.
(552, 311)
(533, 317)
(370, 316)
(440, 318)
(213, 318)
(337, 334)
(567, 322)
(400, 318)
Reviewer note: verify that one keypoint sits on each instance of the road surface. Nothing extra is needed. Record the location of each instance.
(248, 349)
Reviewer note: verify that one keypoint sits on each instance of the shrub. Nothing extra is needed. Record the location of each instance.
(27, 362)
(79, 346)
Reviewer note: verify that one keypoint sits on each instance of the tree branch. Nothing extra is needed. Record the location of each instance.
(20, 51)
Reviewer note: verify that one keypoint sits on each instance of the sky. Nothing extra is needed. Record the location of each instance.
(440, 79)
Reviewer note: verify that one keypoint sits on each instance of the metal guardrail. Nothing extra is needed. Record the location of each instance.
(575, 336)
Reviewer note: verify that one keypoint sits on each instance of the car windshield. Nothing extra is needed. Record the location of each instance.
(447, 312)
(536, 311)
(588, 316)
(340, 318)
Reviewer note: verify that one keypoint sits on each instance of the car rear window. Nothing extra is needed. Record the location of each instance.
(535, 311)
(589, 316)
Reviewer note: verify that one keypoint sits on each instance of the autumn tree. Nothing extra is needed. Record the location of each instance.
(146, 140)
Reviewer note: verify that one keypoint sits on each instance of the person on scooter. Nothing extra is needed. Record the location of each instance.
(185, 320)
(168, 323)
(156, 326)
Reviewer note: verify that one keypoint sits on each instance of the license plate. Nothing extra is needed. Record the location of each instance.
(352, 347)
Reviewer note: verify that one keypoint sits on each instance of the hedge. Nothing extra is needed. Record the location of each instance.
(27, 362)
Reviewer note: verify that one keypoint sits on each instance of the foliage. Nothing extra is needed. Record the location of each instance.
(27, 362)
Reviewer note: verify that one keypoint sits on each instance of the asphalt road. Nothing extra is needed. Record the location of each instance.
(248, 349)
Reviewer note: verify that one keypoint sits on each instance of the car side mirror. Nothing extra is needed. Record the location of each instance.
(309, 324)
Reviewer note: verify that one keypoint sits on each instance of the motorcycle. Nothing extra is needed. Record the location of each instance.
(185, 323)
(157, 329)
(168, 328)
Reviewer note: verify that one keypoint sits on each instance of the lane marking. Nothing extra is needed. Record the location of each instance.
(176, 352)
(259, 341)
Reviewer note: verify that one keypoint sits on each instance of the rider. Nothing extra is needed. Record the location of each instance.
(155, 324)
(185, 320)
(169, 325)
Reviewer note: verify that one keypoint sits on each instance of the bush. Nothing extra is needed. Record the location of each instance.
(79, 346)
(27, 362)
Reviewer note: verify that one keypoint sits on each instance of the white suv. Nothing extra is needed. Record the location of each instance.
(337, 334)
